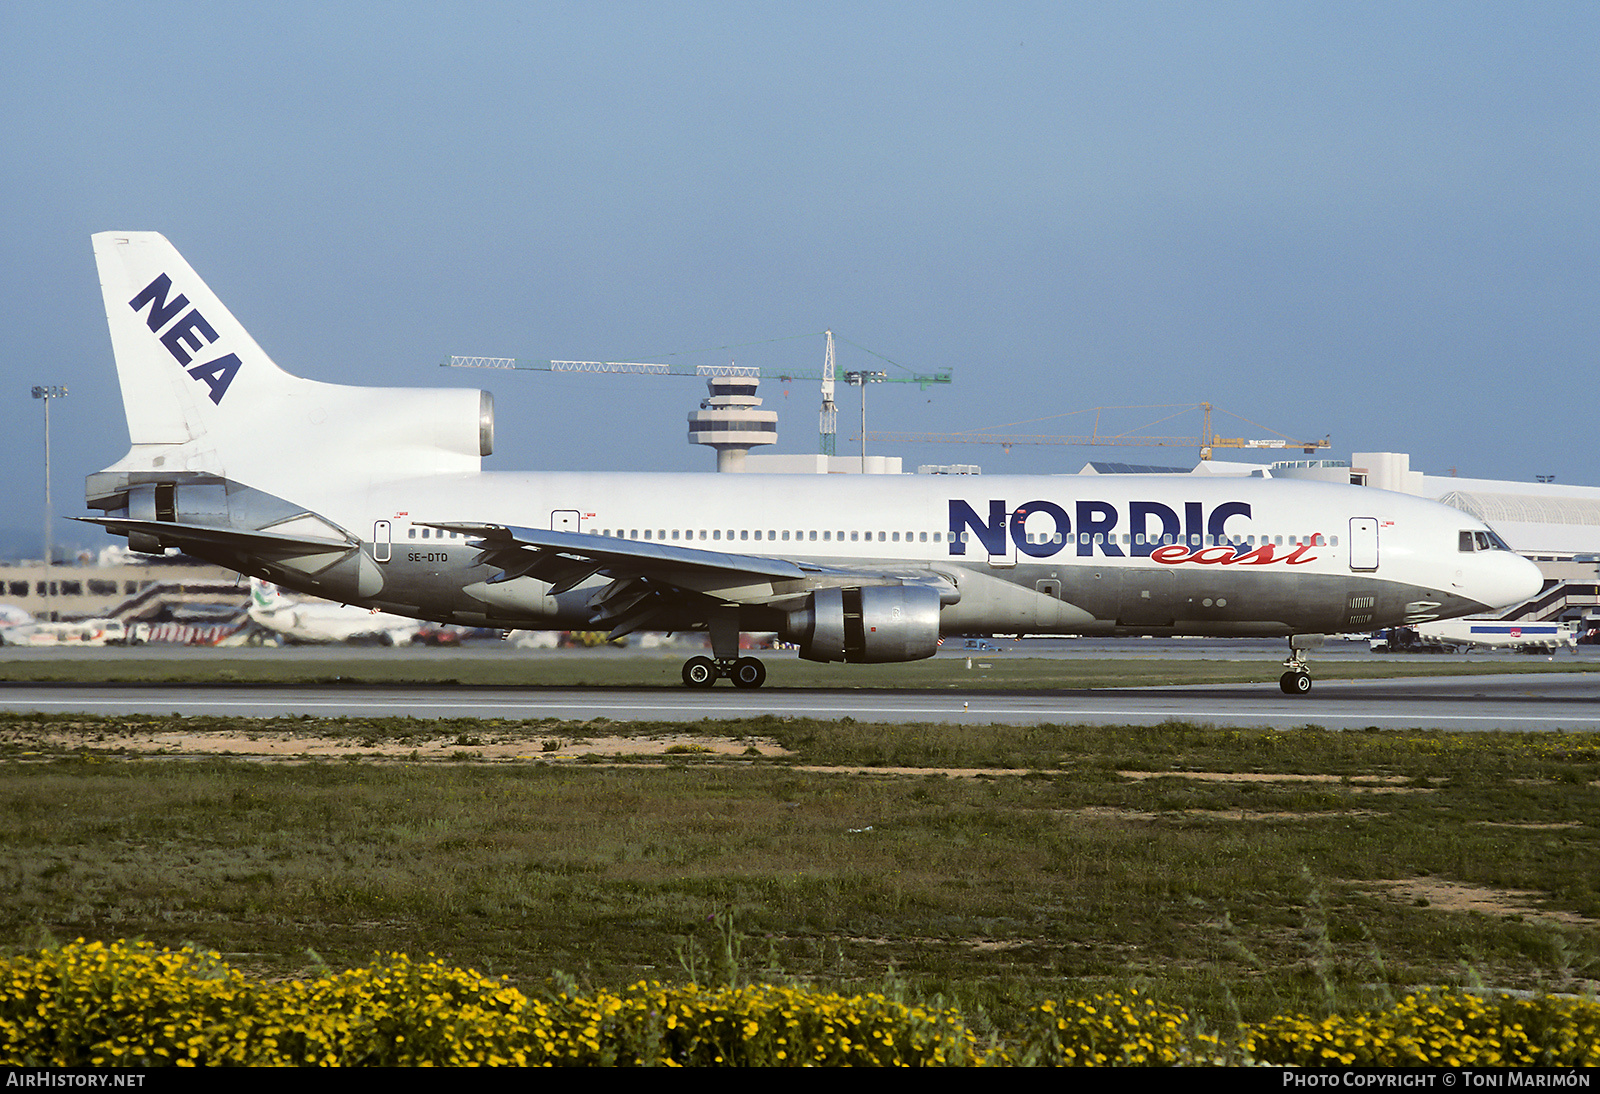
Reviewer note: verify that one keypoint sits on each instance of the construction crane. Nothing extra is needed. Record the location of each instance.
(828, 424)
(1206, 442)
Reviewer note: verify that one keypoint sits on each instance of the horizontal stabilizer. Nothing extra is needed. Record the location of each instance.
(173, 534)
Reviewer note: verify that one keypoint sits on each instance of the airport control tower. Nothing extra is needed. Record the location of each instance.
(729, 421)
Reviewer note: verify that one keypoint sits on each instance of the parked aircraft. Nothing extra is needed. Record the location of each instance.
(377, 497)
(319, 621)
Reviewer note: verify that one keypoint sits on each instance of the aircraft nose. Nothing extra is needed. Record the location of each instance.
(1512, 580)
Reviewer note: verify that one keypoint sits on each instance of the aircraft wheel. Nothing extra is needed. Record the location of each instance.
(748, 672)
(699, 672)
(1295, 683)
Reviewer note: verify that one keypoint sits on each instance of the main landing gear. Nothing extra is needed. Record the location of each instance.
(1297, 680)
(745, 672)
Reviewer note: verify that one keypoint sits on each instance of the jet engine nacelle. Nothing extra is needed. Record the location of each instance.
(869, 625)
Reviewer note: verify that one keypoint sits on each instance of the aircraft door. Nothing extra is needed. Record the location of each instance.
(1363, 543)
(380, 541)
(564, 520)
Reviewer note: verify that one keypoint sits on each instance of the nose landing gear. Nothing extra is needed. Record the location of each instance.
(1297, 680)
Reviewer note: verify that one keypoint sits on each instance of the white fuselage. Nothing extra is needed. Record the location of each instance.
(1031, 554)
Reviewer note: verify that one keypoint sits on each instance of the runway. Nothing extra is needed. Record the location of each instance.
(1532, 702)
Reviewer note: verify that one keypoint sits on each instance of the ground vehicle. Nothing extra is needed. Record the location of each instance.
(1452, 635)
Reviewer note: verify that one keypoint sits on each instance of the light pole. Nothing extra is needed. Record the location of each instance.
(47, 393)
(861, 380)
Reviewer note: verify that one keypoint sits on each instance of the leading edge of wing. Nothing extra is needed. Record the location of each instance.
(501, 544)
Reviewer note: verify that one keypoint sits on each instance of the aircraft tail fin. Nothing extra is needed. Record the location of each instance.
(189, 370)
(202, 397)
(267, 597)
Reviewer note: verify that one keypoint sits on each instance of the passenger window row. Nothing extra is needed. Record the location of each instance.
(813, 536)
(1470, 541)
(770, 535)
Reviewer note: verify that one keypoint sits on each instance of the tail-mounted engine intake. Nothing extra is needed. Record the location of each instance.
(870, 625)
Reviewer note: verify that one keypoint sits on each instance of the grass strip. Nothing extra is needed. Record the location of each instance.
(1238, 874)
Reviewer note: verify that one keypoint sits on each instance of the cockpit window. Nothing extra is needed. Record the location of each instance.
(1482, 541)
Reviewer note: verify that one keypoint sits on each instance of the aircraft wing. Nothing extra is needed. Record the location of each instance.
(645, 576)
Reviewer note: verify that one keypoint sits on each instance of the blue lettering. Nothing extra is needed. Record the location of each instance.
(1216, 526)
(192, 331)
(1019, 533)
(218, 375)
(186, 336)
(1139, 513)
(1150, 525)
(155, 294)
(992, 535)
(1096, 519)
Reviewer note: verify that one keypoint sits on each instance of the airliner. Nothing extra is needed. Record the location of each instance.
(320, 622)
(377, 497)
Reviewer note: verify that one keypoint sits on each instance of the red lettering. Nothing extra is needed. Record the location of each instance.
(1175, 554)
(1294, 558)
(1259, 557)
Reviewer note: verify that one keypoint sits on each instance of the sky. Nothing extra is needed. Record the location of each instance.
(1374, 222)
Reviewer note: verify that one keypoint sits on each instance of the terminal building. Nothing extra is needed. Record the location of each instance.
(129, 586)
